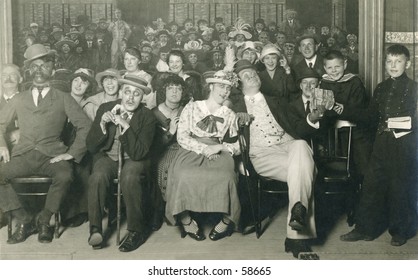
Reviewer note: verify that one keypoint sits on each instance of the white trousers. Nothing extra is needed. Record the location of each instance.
(290, 162)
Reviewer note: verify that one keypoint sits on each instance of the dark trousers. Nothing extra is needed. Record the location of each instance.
(133, 186)
(35, 163)
(389, 193)
(76, 200)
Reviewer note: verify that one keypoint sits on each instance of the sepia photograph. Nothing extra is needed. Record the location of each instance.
(233, 132)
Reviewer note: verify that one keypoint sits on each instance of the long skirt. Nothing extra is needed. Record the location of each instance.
(163, 165)
(198, 184)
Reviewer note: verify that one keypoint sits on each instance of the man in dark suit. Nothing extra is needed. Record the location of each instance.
(126, 123)
(276, 152)
(42, 112)
(10, 80)
(305, 121)
(308, 47)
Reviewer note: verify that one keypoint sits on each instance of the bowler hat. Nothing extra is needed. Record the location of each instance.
(136, 82)
(243, 64)
(307, 73)
(36, 51)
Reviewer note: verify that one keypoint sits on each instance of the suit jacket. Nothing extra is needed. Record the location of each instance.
(13, 125)
(278, 110)
(301, 65)
(282, 85)
(297, 117)
(41, 126)
(136, 141)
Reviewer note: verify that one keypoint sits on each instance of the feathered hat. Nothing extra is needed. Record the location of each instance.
(240, 27)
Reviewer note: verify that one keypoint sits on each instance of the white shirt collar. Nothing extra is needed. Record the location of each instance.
(255, 98)
(311, 60)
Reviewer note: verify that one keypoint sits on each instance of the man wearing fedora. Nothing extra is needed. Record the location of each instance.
(306, 121)
(276, 152)
(124, 123)
(42, 112)
(308, 47)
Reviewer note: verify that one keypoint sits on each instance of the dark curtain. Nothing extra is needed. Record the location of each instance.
(142, 12)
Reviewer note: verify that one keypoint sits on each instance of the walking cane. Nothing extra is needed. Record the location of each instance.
(119, 192)
(243, 148)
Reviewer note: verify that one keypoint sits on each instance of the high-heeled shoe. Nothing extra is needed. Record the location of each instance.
(215, 235)
(198, 235)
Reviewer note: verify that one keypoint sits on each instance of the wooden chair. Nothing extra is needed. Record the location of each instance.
(262, 184)
(33, 186)
(335, 174)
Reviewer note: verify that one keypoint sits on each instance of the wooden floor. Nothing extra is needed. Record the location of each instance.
(166, 244)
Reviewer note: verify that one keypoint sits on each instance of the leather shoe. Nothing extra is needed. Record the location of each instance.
(355, 235)
(300, 249)
(76, 221)
(297, 218)
(215, 235)
(22, 232)
(397, 240)
(45, 234)
(157, 221)
(198, 235)
(132, 241)
(96, 238)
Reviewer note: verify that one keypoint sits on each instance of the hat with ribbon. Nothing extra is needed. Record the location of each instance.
(65, 40)
(249, 45)
(223, 77)
(135, 81)
(84, 73)
(243, 64)
(269, 49)
(107, 73)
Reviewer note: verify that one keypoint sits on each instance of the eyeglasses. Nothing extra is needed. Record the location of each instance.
(35, 67)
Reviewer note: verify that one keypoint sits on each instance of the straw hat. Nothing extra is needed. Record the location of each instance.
(136, 82)
(84, 73)
(108, 72)
(223, 77)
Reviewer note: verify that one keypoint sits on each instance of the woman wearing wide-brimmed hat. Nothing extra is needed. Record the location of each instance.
(202, 177)
(66, 58)
(108, 81)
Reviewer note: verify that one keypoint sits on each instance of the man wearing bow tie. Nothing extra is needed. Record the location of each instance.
(42, 112)
(277, 152)
(128, 125)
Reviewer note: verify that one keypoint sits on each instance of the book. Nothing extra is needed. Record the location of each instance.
(400, 122)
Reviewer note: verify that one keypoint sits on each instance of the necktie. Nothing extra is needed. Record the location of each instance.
(310, 65)
(307, 108)
(39, 95)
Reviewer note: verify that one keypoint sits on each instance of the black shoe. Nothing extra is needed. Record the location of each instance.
(355, 235)
(45, 233)
(215, 235)
(300, 249)
(297, 218)
(157, 221)
(198, 235)
(132, 241)
(96, 238)
(397, 240)
(22, 232)
(76, 221)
